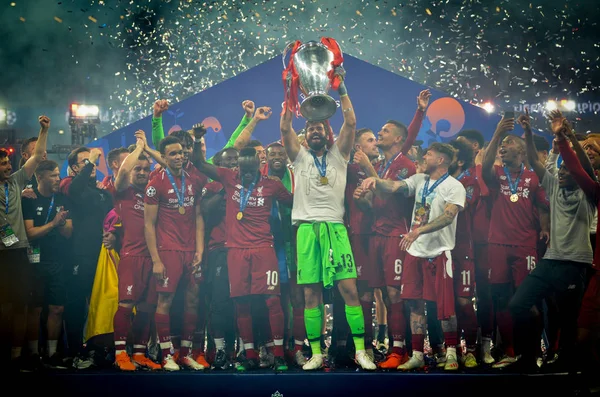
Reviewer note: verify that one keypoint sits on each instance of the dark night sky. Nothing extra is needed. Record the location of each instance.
(125, 54)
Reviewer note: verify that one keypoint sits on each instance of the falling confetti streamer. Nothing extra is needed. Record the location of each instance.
(506, 51)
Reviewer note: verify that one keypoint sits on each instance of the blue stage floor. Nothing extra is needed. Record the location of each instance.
(297, 383)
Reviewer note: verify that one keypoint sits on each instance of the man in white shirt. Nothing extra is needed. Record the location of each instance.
(323, 248)
(428, 264)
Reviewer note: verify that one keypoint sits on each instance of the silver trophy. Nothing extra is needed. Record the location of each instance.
(313, 62)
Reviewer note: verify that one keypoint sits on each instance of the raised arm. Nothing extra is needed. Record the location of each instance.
(415, 124)
(123, 176)
(345, 140)
(262, 113)
(40, 147)
(82, 179)
(158, 132)
(590, 187)
(208, 169)
(249, 109)
(558, 124)
(288, 135)
(487, 168)
(532, 155)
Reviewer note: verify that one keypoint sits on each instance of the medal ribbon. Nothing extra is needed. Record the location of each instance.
(6, 195)
(321, 165)
(179, 194)
(513, 186)
(245, 196)
(383, 171)
(427, 191)
(50, 208)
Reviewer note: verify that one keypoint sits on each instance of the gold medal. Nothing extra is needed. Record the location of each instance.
(514, 198)
(421, 211)
(239, 216)
(324, 180)
(182, 210)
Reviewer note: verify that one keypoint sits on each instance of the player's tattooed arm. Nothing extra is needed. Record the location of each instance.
(450, 212)
(379, 185)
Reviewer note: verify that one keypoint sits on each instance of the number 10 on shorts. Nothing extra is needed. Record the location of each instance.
(272, 279)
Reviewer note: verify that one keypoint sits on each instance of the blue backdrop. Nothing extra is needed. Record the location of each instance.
(377, 96)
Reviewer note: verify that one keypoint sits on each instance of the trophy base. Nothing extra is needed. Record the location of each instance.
(318, 107)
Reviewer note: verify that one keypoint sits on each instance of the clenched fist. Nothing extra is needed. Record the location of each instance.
(160, 106)
(44, 122)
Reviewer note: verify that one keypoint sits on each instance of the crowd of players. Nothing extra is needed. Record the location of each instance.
(228, 262)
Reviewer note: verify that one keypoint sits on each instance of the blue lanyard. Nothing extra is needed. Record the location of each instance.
(321, 165)
(6, 194)
(513, 186)
(383, 172)
(427, 191)
(50, 208)
(179, 194)
(245, 196)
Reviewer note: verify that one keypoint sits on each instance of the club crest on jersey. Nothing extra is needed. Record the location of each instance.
(170, 191)
(129, 288)
(190, 191)
(503, 177)
(259, 191)
(470, 191)
(151, 191)
(204, 191)
(402, 174)
(527, 181)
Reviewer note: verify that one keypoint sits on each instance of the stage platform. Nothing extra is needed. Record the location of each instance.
(298, 383)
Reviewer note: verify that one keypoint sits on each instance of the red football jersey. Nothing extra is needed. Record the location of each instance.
(109, 185)
(392, 214)
(190, 168)
(515, 223)
(174, 231)
(464, 233)
(129, 204)
(218, 234)
(254, 229)
(357, 221)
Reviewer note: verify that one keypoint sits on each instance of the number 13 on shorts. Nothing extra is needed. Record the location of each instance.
(272, 279)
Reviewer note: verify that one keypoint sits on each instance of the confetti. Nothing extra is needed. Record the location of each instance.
(480, 51)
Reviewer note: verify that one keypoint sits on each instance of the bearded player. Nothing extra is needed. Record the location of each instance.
(324, 254)
(427, 274)
(135, 266)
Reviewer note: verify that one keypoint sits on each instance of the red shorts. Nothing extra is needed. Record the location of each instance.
(589, 315)
(253, 271)
(134, 279)
(178, 265)
(430, 280)
(510, 263)
(464, 275)
(388, 260)
(360, 250)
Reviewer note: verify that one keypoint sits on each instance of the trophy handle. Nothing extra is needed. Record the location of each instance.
(287, 48)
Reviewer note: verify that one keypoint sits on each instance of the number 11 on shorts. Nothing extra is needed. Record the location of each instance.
(272, 279)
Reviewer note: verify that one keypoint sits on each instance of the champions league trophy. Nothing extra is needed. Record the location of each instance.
(311, 69)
